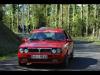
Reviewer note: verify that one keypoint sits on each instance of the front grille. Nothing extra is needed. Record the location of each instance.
(39, 50)
(33, 50)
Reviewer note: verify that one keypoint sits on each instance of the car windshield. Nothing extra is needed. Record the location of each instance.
(48, 36)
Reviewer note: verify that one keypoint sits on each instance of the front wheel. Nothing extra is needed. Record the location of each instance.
(21, 64)
(65, 62)
(71, 56)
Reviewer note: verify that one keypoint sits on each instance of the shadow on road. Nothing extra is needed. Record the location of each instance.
(82, 63)
(76, 63)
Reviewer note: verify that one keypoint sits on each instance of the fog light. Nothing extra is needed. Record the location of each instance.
(24, 60)
(54, 60)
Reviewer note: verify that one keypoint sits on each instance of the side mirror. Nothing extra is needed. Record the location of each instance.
(24, 40)
(68, 40)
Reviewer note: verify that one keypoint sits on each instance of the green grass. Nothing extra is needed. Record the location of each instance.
(95, 40)
(8, 50)
(5, 57)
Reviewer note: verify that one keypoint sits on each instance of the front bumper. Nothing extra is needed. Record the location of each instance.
(52, 58)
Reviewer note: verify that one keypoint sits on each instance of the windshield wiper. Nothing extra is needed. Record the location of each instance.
(57, 39)
(52, 39)
(33, 39)
(48, 39)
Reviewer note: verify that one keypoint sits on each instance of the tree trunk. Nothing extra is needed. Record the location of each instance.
(1, 12)
(95, 17)
(73, 12)
(17, 16)
(93, 31)
(68, 22)
(62, 17)
(82, 31)
(58, 7)
(87, 24)
(73, 6)
(55, 15)
(12, 13)
(98, 21)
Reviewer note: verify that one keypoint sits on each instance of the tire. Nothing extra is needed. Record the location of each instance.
(65, 62)
(72, 55)
(22, 64)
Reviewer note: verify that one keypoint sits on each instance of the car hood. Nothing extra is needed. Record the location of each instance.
(43, 44)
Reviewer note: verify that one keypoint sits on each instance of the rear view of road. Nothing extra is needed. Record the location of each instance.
(86, 58)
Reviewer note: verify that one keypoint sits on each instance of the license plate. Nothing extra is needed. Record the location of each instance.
(39, 57)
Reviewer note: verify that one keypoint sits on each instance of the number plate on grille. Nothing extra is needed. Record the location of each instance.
(39, 57)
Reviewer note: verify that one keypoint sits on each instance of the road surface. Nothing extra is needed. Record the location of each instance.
(86, 58)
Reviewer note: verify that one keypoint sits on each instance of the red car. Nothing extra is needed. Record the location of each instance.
(46, 46)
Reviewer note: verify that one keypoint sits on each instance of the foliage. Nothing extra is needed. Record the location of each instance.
(78, 19)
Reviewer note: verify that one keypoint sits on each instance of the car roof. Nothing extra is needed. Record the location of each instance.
(47, 29)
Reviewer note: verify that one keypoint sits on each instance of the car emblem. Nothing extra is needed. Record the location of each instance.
(39, 49)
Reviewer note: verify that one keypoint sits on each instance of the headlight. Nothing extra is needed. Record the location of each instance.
(21, 50)
(26, 50)
(54, 51)
(58, 50)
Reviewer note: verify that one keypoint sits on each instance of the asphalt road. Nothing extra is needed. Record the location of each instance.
(86, 58)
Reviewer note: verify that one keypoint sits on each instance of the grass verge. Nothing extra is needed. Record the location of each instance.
(5, 57)
(95, 40)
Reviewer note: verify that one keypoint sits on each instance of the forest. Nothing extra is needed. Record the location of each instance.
(79, 20)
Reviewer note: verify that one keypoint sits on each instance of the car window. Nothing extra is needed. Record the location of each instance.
(48, 36)
(39, 36)
(60, 36)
